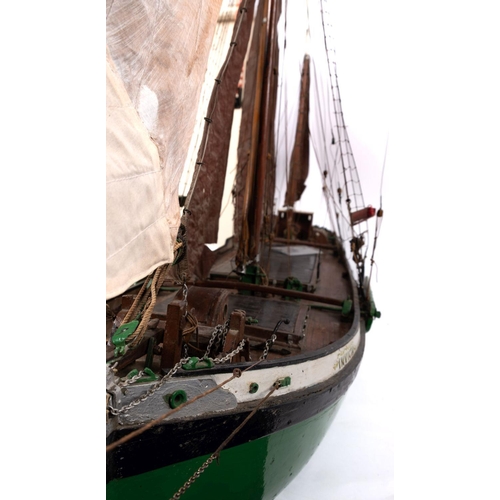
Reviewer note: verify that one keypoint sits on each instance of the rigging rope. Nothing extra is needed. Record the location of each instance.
(326, 171)
(156, 282)
(236, 374)
(145, 300)
(216, 453)
(336, 103)
(147, 426)
(380, 214)
(353, 194)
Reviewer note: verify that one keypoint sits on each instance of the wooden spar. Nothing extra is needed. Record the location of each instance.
(239, 285)
(254, 167)
(362, 215)
(248, 190)
(265, 132)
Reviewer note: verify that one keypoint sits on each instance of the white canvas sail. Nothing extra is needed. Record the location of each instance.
(157, 57)
(133, 172)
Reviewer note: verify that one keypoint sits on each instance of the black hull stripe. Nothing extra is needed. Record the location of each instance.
(174, 442)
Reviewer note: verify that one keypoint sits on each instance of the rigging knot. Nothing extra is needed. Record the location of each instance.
(180, 244)
(356, 244)
(190, 327)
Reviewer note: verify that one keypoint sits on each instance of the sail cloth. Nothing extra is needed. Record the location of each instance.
(299, 163)
(158, 52)
(255, 137)
(133, 171)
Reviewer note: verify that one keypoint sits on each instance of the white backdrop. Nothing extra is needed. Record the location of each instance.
(421, 419)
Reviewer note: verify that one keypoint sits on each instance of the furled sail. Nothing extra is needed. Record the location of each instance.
(299, 163)
(254, 185)
(157, 56)
(202, 225)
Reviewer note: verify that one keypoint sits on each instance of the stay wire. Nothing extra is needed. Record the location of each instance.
(380, 214)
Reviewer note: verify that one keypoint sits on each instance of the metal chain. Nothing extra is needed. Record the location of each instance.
(131, 380)
(219, 332)
(269, 343)
(218, 335)
(171, 373)
(194, 477)
(150, 392)
(217, 452)
(227, 357)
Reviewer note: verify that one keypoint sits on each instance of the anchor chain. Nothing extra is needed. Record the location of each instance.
(270, 341)
(236, 374)
(269, 344)
(170, 374)
(194, 477)
(229, 355)
(219, 334)
(148, 393)
(217, 452)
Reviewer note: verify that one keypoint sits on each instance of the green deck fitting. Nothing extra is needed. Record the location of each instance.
(346, 307)
(150, 375)
(284, 382)
(253, 274)
(133, 373)
(254, 387)
(176, 399)
(292, 283)
(121, 335)
(372, 314)
(195, 363)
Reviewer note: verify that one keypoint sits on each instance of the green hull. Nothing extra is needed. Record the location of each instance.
(256, 470)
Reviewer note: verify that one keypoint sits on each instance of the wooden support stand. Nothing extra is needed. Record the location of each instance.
(172, 339)
(235, 334)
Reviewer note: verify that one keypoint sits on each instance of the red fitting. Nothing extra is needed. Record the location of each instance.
(362, 215)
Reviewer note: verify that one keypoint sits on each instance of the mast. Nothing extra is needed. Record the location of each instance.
(258, 170)
(267, 132)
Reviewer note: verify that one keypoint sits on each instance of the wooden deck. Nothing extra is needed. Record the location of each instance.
(311, 324)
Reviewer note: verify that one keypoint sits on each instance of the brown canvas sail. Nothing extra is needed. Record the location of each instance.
(299, 163)
(202, 224)
(254, 186)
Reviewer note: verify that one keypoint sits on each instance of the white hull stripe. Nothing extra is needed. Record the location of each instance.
(303, 375)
